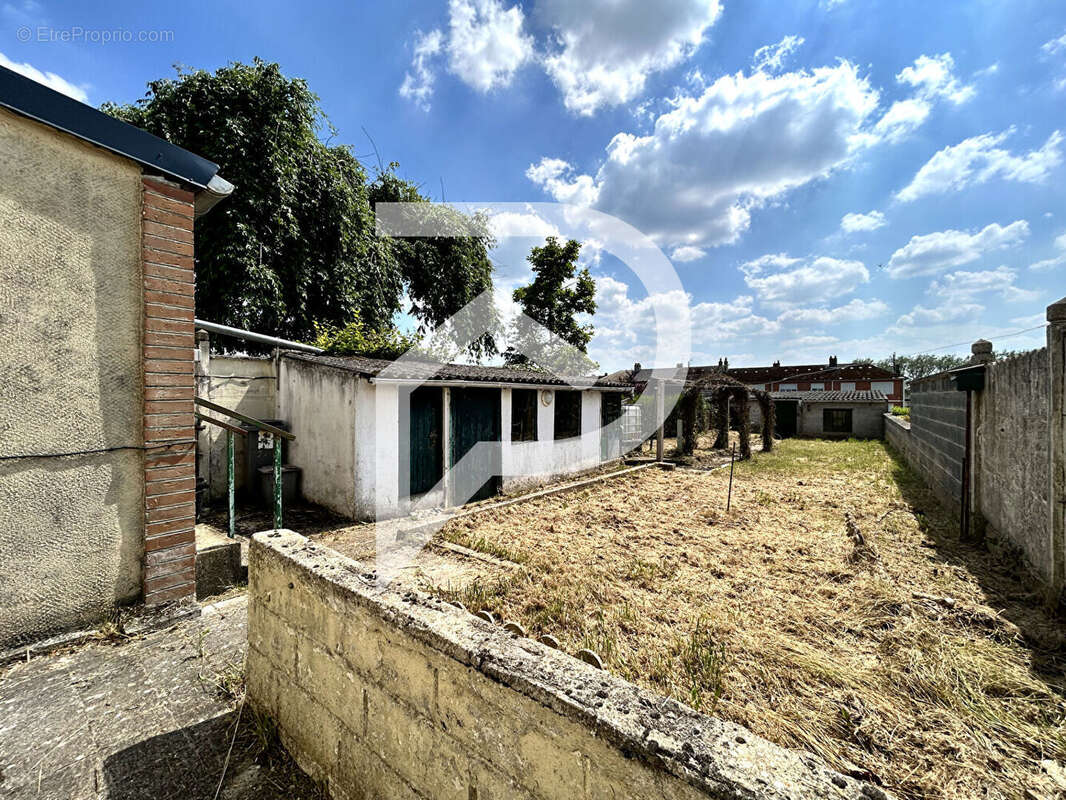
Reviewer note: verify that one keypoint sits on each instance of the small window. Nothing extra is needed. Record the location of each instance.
(789, 387)
(847, 386)
(817, 387)
(567, 415)
(523, 415)
(836, 420)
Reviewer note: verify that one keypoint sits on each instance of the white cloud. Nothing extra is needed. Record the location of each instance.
(767, 134)
(603, 50)
(853, 311)
(507, 224)
(771, 57)
(979, 159)
(799, 282)
(1055, 46)
(418, 82)
(486, 42)
(862, 222)
(952, 312)
(902, 119)
(965, 286)
(1054, 261)
(49, 79)
(687, 253)
(485, 45)
(936, 252)
(933, 77)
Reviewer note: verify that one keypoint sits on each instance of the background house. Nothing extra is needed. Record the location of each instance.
(830, 414)
(96, 336)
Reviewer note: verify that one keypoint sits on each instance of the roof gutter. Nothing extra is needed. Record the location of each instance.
(458, 384)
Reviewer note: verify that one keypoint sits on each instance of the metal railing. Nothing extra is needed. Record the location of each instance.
(277, 433)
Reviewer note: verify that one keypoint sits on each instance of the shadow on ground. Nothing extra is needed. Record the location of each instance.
(1000, 571)
(257, 767)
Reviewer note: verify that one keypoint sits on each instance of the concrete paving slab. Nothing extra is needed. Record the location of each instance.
(140, 718)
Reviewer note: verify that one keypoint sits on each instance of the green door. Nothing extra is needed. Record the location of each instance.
(426, 455)
(475, 417)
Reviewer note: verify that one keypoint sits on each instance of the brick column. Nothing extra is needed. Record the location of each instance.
(169, 431)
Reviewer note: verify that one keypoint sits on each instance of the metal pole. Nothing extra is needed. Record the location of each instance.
(277, 482)
(732, 460)
(660, 414)
(230, 482)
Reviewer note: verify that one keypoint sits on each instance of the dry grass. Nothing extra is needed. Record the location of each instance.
(906, 657)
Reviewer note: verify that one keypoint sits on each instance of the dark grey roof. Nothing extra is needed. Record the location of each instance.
(832, 397)
(432, 371)
(36, 101)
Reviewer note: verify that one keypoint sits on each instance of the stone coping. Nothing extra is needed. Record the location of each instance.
(719, 758)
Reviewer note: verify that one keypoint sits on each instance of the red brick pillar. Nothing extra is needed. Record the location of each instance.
(169, 431)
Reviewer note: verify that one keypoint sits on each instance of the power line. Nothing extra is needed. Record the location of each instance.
(963, 344)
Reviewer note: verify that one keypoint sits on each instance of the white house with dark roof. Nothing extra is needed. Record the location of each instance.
(358, 459)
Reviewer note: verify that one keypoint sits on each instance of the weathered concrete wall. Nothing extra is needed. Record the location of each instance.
(71, 528)
(1011, 441)
(866, 420)
(530, 464)
(241, 383)
(898, 436)
(938, 436)
(319, 403)
(380, 693)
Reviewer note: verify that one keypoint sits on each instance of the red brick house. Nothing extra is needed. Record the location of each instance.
(831, 377)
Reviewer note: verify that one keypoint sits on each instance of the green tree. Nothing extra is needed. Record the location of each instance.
(921, 364)
(295, 245)
(554, 298)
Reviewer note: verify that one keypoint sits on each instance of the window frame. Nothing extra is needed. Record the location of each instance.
(827, 415)
(567, 431)
(526, 422)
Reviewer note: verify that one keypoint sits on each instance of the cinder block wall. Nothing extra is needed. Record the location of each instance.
(382, 693)
(938, 436)
(242, 383)
(1012, 443)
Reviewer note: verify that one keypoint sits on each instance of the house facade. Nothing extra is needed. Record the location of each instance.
(829, 377)
(517, 427)
(97, 458)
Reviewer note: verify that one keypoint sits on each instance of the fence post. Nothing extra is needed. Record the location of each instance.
(229, 483)
(1056, 349)
(277, 481)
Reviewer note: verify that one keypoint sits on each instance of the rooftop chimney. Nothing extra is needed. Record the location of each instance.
(636, 367)
(832, 361)
(777, 363)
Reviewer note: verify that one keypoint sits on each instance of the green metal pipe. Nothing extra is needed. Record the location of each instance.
(277, 482)
(230, 483)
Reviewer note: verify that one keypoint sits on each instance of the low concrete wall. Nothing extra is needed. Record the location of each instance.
(241, 383)
(1012, 464)
(379, 693)
(898, 436)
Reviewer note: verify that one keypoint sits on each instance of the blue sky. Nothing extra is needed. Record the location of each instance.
(832, 176)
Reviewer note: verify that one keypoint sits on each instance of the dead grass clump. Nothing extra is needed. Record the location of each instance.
(899, 655)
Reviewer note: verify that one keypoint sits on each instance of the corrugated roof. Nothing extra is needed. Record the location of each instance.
(432, 371)
(871, 396)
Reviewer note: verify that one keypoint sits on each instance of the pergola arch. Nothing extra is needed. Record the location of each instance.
(724, 392)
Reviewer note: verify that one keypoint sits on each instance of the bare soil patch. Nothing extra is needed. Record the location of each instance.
(887, 647)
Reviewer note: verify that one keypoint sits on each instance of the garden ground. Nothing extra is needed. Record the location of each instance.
(885, 646)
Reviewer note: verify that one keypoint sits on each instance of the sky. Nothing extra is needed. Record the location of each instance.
(844, 177)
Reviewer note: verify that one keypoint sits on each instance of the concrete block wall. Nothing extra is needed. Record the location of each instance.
(1011, 441)
(938, 436)
(242, 383)
(381, 693)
